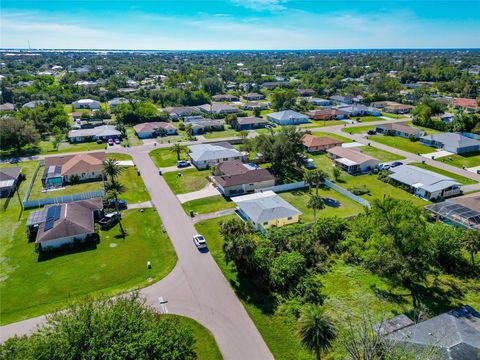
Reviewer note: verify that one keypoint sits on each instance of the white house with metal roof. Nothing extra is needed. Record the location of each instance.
(424, 183)
(204, 156)
(287, 117)
(452, 142)
(264, 210)
(103, 132)
(86, 104)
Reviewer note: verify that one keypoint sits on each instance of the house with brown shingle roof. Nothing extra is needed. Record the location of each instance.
(352, 160)
(250, 122)
(315, 144)
(236, 178)
(327, 114)
(253, 96)
(402, 130)
(60, 170)
(153, 129)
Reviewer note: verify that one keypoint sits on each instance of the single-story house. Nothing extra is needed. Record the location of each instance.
(360, 110)
(225, 97)
(33, 104)
(103, 132)
(315, 144)
(320, 102)
(463, 211)
(287, 117)
(64, 224)
(250, 122)
(153, 129)
(9, 179)
(117, 101)
(454, 335)
(218, 108)
(204, 156)
(87, 104)
(453, 142)
(253, 96)
(264, 210)
(274, 84)
(181, 111)
(424, 183)
(252, 105)
(468, 105)
(205, 125)
(392, 107)
(193, 118)
(305, 92)
(352, 160)
(59, 169)
(339, 99)
(402, 130)
(7, 107)
(327, 114)
(236, 178)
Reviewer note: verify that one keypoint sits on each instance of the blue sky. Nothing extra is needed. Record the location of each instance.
(237, 24)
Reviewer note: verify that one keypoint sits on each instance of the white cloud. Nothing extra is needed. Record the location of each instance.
(261, 5)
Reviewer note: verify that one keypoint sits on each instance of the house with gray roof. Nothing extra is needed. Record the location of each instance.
(218, 108)
(153, 129)
(264, 210)
(86, 104)
(117, 101)
(453, 142)
(7, 107)
(425, 183)
(454, 335)
(287, 117)
(176, 112)
(103, 132)
(360, 110)
(33, 104)
(9, 179)
(205, 125)
(402, 130)
(250, 122)
(204, 156)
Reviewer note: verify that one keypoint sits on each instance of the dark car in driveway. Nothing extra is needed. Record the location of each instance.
(109, 220)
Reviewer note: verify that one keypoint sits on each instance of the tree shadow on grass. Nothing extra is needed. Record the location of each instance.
(247, 290)
(52, 254)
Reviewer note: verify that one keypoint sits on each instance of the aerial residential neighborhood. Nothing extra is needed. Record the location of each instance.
(218, 200)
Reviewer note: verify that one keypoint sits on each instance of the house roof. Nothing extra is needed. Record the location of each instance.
(354, 156)
(265, 206)
(253, 95)
(470, 103)
(400, 127)
(286, 115)
(329, 111)
(102, 130)
(74, 218)
(153, 126)
(222, 97)
(206, 152)
(182, 110)
(217, 107)
(232, 167)
(455, 139)
(10, 173)
(251, 120)
(421, 178)
(7, 107)
(75, 164)
(205, 122)
(455, 333)
(86, 102)
(248, 177)
(313, 141)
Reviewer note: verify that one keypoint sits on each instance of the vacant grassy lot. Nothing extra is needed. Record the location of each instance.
(190, 180)
(165, 157)
(427, 131)
(37, 193)
(381, 155)
(468, 160)
(358, 129)
(205, 345)
(32, 285)
(299, 199)
(461, 179)
(208, 205)
(394, 116)
(402, 144)
(221, 134)
(335, 136)
(349, 289)
(132, 138)
(321, 123)
(46, 148)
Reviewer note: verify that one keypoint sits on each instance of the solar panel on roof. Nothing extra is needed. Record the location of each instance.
(57, 212)
(48, 224)
(51, 212)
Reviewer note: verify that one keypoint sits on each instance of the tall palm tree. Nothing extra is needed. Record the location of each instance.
(318, 177)
(178, 149)
(114, 189)
(308, 179)
(315, 202)
(112, 170)
(315, 329)
(471, 243)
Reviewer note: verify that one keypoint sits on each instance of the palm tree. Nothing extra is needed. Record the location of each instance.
(177, 149)
(112, 170)
(114, 189)
(315, 329)
(308, 179)
(318, 177)
(471, 243)
(315, 202)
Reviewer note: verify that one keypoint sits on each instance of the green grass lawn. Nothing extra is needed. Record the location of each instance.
(320, 123)
(402, 144)
(358, 129)
(366, 119)
(382, 155)
(322, 162)
(191, 180)
(394, 116)
(299, 199)
(221, 134)
(132, 138)
(32, 286)
(267, 131)
(334, 136)
(427, 131)
(468, 160)
(205, 344)
(37, 193)
(46, 148)
(165, 157)
(208, 205)
(461, 179)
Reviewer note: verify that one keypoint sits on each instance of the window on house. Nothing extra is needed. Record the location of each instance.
(289, 218)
